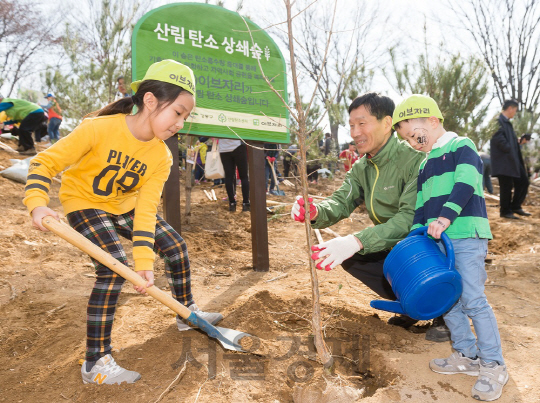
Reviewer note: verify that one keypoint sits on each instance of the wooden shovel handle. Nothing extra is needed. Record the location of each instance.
(67, 233)
(274, 173)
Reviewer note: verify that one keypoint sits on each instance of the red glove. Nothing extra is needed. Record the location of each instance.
(271, 159)
(298, 211)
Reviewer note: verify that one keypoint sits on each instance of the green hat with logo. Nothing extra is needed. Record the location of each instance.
(416, 106)
(169, 71)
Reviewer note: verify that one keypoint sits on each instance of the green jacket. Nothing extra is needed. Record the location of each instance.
(386, 183)
(20, 108)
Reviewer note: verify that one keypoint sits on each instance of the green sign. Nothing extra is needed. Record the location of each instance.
(232, 95)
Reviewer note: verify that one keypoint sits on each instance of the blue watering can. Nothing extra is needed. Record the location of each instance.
(424, 280)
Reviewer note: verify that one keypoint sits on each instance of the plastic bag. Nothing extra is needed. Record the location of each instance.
(214, 168)
(18, 171)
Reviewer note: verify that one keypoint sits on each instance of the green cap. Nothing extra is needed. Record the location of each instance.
(169, 71)
(416, 106)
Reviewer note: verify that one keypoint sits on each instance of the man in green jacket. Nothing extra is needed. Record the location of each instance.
(385, 181)
(30, 115)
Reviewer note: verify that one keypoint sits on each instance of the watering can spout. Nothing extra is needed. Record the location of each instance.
(390, 306)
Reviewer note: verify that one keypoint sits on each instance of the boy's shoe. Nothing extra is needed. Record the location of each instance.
(438, 331)
(107, 371)
(232, 207)
(457, 363)
(491, 381)
(402, 321)
(211, 317)
(245, 207)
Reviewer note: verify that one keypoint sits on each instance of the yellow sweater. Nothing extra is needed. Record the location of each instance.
(109, 170)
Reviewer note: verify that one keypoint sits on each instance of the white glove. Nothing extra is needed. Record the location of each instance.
(298, 212)
(336, 251)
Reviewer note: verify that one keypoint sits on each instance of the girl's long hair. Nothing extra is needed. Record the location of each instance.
(165, 93)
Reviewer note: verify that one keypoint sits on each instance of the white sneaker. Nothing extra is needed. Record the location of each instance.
(211, 317)
(107, 371)
(457, 363)
(491, 381)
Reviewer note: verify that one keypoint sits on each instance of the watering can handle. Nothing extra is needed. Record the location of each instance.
(446, 241)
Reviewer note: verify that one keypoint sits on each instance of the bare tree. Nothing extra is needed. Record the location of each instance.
(25, 35)
(346, 67)
(98, 47)
(304, 131)
(507, 33)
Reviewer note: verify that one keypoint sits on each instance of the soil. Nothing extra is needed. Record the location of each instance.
(45, 284)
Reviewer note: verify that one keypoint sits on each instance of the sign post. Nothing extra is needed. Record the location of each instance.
(226, 54)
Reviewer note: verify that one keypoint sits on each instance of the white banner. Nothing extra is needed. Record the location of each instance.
(237, 119)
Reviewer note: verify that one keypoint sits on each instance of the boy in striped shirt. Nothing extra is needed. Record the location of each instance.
(450, 198)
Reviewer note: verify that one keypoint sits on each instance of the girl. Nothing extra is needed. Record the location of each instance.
(118, 164)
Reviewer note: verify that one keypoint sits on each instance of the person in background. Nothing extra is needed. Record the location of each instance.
(508, 165)
(270, 152)
(328, 149)
(523, 140)
(200, 149)
(55, 119)
(349, 156)
(30, 115)
(122, 91)
(233, 155)
(289, 158)
(486, 162)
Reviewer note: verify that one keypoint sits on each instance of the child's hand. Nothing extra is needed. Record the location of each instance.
(436, 228)
(39, 213)
(148, 275)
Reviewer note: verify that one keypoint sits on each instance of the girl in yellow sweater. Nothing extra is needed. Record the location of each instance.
(117, 164)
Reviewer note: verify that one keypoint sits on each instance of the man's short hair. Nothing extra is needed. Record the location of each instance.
(526, 136)
(378, 105)
(510, 102)
(119, 78)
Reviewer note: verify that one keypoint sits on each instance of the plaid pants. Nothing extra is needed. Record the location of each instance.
(103, 229)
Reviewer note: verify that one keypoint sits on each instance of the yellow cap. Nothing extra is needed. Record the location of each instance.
(416, 106)
(169, 71)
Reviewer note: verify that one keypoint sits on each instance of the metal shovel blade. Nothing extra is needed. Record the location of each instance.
(227, 337)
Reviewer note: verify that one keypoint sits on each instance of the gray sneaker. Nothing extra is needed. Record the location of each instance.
(491, 381)
(107, 371)
(211, 317)
(457, 363)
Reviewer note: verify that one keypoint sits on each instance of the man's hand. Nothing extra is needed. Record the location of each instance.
(148, 275)
(437, 227)
(41, 212)
(335, 251)
(298, 212)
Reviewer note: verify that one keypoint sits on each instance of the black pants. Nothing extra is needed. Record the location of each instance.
(28, 125)
(313, 172)
(520, 186)
(369, 270)
(287, 165)
(237, 158)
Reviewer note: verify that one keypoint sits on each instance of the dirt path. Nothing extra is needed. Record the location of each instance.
(45, 284)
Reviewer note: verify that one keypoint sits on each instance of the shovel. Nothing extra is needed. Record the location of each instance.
(227, 337)
(277, 192)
